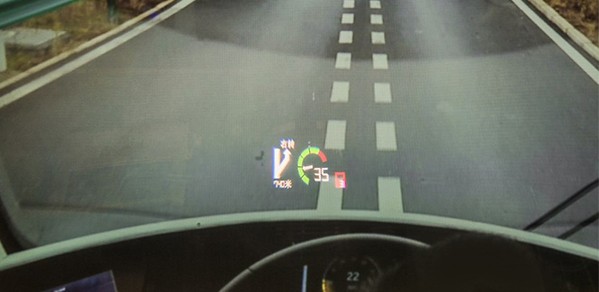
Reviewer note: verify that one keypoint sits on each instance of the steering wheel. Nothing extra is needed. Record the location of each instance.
(242, 280)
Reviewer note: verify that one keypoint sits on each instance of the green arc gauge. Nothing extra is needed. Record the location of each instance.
(320, 172)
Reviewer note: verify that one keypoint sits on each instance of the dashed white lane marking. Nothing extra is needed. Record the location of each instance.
(340, 91)
(376, 19)
(382, 93)
(390, 197)
(346, 37)
(347, 18)
(90, 56)
(375, 4)
(385, 136)
(329, 197)
(349, 3)
(335, 136)
(343, 61)
(378, 38)
(379, 61)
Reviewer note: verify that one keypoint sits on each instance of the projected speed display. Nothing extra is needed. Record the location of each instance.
(311, 166)
(305, 163)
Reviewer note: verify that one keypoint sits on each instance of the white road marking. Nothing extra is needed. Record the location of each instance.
(390, 197)
(329, 197)
(349, 3)
(375, 4)
(343, 61)
(376, 19)
(382, 93)
(346, 37)
(340, 91)
(378, 38)
(335, 136)
(385, 136)
(347, 18)
(563, 44)
(88, 57)
(379, 61)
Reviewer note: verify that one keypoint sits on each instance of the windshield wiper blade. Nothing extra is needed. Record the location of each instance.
(565, 204)
(581, 225)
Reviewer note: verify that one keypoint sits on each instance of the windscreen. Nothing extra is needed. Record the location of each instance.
(121, 113)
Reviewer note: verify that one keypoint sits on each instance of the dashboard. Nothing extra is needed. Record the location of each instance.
(317, 255)
(348, 262)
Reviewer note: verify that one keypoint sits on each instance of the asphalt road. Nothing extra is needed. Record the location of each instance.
(492, 121)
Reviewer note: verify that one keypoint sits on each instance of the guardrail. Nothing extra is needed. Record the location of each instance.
(15, 11)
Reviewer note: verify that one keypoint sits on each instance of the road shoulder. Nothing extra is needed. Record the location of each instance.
(567, 28)
(20, 79)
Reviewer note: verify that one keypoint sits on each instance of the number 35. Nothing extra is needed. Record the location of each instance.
(321, 174)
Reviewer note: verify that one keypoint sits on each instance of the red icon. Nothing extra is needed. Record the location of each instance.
(340, 182)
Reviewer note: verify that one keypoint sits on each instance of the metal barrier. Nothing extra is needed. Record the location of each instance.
(15, 11)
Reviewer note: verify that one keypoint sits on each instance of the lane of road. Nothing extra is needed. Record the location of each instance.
(454, 108)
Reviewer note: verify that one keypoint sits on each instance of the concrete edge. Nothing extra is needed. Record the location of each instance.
(89, 44)
(574, 34)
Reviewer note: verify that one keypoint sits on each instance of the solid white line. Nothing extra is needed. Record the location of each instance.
(390, 197)
(335, 136)
(376, 19)
(340, 91)
(349, 3)
(347, 18)
(382, 93)
(385, 136)
(329, 197)
(566, 27)
(343, 61)
(346, 37)
(97, 52)
(378, 38)
(379, 61)
(375, 4)
(580, 60)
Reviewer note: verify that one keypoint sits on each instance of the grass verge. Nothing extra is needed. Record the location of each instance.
(82, 20)
(582, 14)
